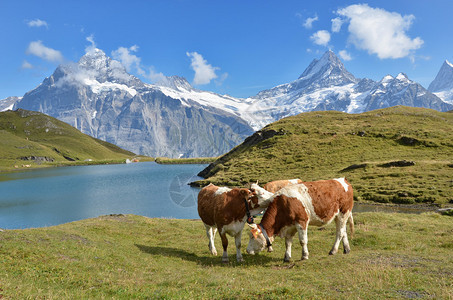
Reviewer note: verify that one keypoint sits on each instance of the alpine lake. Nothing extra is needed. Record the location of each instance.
(52, 196)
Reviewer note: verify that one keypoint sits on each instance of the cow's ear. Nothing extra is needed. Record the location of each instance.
(245, 193)
(255, 233)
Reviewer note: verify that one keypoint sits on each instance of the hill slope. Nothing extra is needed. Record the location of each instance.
(368, 149)
(31, 138)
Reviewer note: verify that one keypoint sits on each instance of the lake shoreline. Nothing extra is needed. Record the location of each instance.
(59, 164)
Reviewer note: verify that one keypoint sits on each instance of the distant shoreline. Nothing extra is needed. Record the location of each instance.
(35, 166)
(194, 160)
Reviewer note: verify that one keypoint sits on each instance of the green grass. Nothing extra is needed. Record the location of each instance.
(132, 257)
(25, 134)
(321, 145)
(194, 160)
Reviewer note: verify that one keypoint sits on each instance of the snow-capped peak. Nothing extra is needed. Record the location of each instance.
(387, 79)
(444, 79)
(175, 82)
(326, 63)
(402, 77)
(94, 59)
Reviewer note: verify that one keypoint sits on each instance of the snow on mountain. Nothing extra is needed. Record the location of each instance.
(98, 97)
(442, 85)
(400, 90)
(327, 85)
(8, 103)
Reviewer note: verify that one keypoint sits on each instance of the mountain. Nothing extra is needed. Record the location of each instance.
(98, 97)
(442, 85)
(327, 85)
(400, 90)
(171, 118)
(388, 155)
(31, 138)
(8, 103)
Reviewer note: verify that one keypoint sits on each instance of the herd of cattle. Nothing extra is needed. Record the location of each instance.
(290, 206)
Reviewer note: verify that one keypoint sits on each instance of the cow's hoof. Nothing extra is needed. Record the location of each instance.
(214, 253)
(225, 260)
(240, 260)
(304, 257)
(332, 252)
(346, 251)
(286, 259)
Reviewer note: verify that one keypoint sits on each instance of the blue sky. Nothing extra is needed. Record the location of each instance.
(229, 47)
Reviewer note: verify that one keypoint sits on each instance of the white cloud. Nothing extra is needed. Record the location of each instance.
(321, 37)
(309, 22)
(155, 76)
(336, 24)
(38, 49)
(91, 47)
(345, 55)
(127, 59)
(132, 62)
(222, 78)
(379, 31)
(204, 72)
(26, 65)
(37, 23)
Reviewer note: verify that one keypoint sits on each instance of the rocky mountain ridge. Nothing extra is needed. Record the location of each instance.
(172, 118)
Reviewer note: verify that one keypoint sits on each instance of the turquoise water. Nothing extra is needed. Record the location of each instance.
(54, 196)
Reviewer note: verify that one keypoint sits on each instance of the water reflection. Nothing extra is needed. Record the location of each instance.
(61, 195)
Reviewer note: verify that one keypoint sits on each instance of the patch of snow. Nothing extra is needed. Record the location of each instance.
(446, 96)
(98, 87)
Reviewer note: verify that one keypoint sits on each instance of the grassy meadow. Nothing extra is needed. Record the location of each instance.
(31, 140)
(133, 257)
(365, 148)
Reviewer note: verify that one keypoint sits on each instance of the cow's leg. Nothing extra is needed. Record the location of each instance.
(237, 240)
(346, 248)
(288, 243)
(302, 230)
(210, 232)
(340, 221)
(225, 246)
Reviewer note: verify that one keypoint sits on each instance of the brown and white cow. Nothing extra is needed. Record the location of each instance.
(294, 207)
(276, 185)
(224, 209)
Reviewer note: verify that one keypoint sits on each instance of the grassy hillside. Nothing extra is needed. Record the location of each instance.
(130, 257)
(182, 161)
(32, 138)
(369, 149)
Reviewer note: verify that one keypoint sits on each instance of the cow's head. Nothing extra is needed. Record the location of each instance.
(257, 241)
(262, 197)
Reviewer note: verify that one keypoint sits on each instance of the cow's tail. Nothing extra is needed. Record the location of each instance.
(351, 224)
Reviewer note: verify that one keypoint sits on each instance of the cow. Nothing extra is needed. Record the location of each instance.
(227, 210)
(276, 185)
(294, 207)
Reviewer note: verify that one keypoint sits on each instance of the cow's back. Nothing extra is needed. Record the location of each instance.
(330, 196)
(207, 204)
(277, 185)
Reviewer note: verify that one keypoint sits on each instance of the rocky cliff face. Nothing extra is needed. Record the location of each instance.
(442, 85)
(98, 97)
(327, 85)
